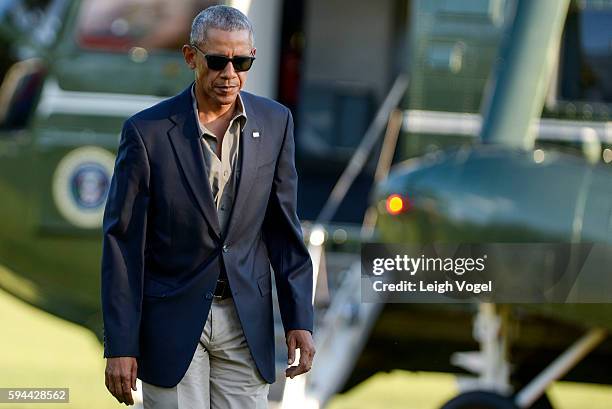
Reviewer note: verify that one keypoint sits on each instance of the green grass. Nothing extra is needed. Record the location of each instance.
(40, 350)
(398, 390)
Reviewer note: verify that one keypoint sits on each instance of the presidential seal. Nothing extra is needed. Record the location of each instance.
(80, 185)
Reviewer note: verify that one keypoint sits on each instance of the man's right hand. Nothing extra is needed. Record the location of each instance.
(120, 376)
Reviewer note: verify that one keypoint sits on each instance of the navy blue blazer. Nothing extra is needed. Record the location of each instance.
(162, 244)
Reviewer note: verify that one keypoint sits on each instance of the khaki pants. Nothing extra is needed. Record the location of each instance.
(222, 373)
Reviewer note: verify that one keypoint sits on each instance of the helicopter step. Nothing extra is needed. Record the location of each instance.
(340, 334)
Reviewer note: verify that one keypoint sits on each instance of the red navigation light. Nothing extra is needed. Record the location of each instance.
(396, 204)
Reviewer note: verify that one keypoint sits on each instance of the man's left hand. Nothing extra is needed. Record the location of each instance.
(302, 339)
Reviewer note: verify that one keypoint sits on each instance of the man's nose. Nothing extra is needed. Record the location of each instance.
(228, 70)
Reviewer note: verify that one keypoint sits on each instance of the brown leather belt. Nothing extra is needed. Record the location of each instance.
(222, 290)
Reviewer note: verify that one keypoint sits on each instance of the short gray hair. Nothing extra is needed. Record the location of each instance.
(221, 17)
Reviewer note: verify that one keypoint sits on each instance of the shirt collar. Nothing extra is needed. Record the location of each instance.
(239, 111)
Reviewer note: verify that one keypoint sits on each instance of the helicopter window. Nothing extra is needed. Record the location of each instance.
(586, 58)
(119, 25)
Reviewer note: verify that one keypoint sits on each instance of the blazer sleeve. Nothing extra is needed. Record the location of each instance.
(124, 231)
(282, 234)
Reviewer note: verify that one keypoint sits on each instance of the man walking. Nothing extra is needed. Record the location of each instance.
(202, 201)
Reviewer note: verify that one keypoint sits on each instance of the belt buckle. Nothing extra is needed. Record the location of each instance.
(222, 284)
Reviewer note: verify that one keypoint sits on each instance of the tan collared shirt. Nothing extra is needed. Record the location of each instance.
(223, 171)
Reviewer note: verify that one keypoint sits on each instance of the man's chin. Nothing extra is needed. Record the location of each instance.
(226, 98)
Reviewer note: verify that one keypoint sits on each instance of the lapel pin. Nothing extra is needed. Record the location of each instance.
(255, 134)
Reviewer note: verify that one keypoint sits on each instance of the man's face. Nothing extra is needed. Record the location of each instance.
(220, 87)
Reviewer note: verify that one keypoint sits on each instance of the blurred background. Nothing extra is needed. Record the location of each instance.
(416, 121)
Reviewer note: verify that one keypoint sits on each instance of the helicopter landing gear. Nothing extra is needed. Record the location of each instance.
(491, 388)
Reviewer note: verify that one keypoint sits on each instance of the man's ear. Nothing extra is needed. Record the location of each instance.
(189, 56)
(253, 51)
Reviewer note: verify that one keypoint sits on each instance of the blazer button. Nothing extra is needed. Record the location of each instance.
(225, 248)
(209, 295)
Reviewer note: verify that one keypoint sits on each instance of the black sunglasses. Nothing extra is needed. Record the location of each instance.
(218, 62)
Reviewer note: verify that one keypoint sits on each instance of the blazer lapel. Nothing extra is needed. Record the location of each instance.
(184, 138)
(250, 147)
